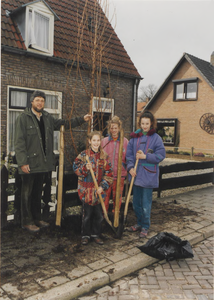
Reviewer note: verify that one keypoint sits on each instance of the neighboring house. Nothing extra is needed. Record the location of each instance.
(140, 107)
(184, 105)
(44, 47)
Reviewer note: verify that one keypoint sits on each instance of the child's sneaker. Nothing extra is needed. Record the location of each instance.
(134, 228)
(143, 233)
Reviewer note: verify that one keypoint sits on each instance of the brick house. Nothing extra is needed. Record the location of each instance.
(47, 45)
(184, 105)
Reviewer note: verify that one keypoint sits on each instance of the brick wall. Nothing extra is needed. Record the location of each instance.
(188, 113)
(36, 73)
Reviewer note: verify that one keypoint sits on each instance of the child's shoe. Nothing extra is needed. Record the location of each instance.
(143, 233)
(134, 228)
(85, 241)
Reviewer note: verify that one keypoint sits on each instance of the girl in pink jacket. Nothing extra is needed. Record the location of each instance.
(110, 145)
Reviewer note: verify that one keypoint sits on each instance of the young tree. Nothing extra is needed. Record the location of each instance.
(88, 65)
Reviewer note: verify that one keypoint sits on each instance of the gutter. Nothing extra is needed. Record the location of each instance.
(136, 85)
(63, 61)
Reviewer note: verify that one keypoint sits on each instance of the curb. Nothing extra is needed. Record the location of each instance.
(107, 275)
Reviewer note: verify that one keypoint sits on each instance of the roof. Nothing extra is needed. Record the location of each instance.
(205, 68)
(117, 61)
(140, 105)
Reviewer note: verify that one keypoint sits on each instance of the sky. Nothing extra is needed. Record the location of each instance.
(155, 34)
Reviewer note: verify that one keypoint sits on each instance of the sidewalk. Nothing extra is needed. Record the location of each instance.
(32, 269)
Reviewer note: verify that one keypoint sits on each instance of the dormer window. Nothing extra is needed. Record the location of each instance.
(36, 24)
(186, 89)
(39, 27)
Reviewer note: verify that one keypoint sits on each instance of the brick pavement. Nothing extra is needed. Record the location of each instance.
(32, 270)
(178, 279)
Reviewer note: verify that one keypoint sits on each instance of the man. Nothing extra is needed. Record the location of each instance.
(34, 154)
(110, 145)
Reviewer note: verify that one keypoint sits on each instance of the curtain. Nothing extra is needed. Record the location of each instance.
(51, 101)
(12, 121)
(18, 99)
(180, 91)
(41, 30)
(191, 90)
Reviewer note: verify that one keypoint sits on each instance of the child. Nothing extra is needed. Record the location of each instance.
(111, 144)
(147, 146)
(92, 215)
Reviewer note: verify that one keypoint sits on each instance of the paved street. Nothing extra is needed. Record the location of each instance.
(52, 266)
(181, 279)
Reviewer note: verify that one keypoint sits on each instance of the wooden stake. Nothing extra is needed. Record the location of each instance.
(119, 171)
(60, 179)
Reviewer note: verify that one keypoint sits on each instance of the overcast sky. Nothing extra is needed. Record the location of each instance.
(155, 34)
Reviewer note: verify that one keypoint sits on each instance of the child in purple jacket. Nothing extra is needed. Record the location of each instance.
(147, 146)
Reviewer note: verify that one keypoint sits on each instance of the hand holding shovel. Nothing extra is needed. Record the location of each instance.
(100, 197)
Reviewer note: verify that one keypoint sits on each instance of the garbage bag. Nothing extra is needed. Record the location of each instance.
(167, 246)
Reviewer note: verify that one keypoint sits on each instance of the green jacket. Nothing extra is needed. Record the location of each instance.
(28, 140)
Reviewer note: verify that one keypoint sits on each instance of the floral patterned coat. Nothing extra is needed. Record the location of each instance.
(102, 171)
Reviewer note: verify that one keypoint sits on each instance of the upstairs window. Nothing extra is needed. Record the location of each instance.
(39, 31)
(36, 24)
(186, 89)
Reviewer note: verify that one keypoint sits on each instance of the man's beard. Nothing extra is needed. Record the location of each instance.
(38, 109)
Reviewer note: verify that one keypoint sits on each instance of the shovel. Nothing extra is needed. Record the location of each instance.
(119, 171)
(129, 194)
(123, 222)
(100, 197)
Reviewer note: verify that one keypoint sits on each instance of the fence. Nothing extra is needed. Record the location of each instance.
(191, 151)
(70, 195)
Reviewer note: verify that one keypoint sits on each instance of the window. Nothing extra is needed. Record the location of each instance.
(36, 24)
(39, 31)
(103, 110)
(186, 89)
(167, 128)
(19, 99)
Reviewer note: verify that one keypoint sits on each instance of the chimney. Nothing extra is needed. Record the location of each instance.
(212, 59)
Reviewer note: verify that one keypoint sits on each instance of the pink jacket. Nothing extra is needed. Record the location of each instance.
(112, 149)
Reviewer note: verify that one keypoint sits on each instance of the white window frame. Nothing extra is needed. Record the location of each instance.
(35, 48)
(100, 109)
(57, 111)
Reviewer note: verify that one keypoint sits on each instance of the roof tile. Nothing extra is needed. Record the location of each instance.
(66, 33)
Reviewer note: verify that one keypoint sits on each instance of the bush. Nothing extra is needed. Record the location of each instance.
(184, 153)
(170, 151)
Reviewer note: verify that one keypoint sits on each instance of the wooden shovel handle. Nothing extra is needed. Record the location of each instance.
(118, 187)
(100, 197)
(130, 190)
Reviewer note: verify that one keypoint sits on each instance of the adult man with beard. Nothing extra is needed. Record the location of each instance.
(34, 154)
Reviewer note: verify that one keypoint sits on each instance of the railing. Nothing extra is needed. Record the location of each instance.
(175, 182)
(191, 151)
(70, 195)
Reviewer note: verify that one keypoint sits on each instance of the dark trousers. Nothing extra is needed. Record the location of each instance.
(31, 194)
(92, 217)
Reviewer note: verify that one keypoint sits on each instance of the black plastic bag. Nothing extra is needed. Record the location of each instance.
(167, 246)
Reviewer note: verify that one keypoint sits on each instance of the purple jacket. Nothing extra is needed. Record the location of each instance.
(148, 169)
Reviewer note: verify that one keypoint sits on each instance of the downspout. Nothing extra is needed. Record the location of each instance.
(136, 84)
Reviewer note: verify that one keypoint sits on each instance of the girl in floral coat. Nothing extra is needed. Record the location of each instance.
(92, 215)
